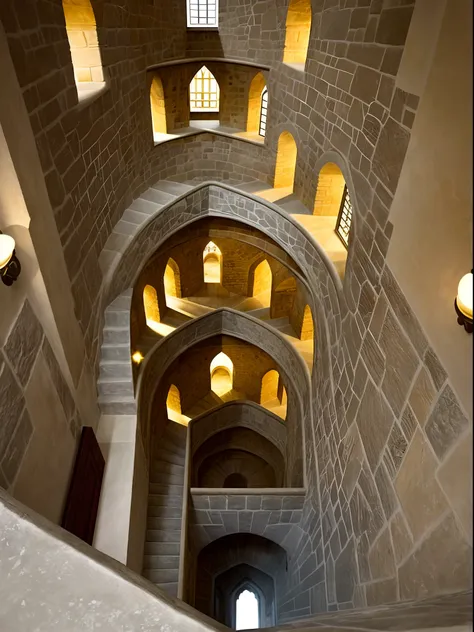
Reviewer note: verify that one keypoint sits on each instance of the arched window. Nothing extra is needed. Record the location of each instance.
(222, 374)
(202, 13)
(332, 200)
(171, 280)
(204, 92)
(212, 261)
(307, 325)
(262, 283)
(254, 115)
(84, 45)
(150, 304)
(285, 163)
(262, 130)
(247, 610)
(298, 29)
(157, 101)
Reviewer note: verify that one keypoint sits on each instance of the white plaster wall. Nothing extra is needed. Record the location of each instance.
(431, 246)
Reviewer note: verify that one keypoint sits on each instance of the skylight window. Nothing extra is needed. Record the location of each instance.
(202, 13)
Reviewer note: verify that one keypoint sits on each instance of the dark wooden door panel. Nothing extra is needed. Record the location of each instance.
(82, 502)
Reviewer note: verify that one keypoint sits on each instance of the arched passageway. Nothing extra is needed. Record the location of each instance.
(212, 261)
(150, 304)
(262, 283)
(157, 103)
(285, 163)
(222, 374)
(172, 280)
(256, 104)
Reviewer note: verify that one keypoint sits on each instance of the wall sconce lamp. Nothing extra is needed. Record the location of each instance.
(137, 357)
(10, 267)
(463, 302)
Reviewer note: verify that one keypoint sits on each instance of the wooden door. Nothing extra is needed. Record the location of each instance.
(82, 502)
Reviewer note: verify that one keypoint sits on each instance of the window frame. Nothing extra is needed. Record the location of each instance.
(191, 6)
(203, 93)
(344, 218)
(262, 124)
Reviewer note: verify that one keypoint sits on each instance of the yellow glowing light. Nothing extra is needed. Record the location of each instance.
(7, 246)
(464, 297)
(137, 357)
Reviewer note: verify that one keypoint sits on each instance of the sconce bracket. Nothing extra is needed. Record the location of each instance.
(463, 319)
(9, 274)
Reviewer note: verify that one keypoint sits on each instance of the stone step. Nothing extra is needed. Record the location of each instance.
(107, 259)
(145, 206)
(165, 501)
(157, 511)
(162, 478)
(159, 576)
(167, 456)
(116, 352)
(263, 313)
(118, 242)
(158, 535)
(164, 467)
(165, 490)
(115, 386)
(158, 197)
(172, 448)
(123, 301)
(170, 588)
(172, 188)
(117, 405)
(162, 548)
(156, 562)
(116, 335)
(125, 228)
(115, 369)
(164, 524)
(278, 323)
(135, 217)
(117, 318)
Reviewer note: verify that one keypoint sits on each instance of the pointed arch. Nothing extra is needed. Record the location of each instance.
(204, 93)
(222, 374)
(257, 86)
(172, 279)
(157, 102)
(150, 304)
(298, 30)
(262, 283)
(212, 262)
(84, 44)
(307, 325)
(173, 400)
(285, 162)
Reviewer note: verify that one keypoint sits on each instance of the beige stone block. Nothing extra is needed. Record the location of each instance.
(97, 74)
(442, 563)
(401, 538)
(86, 57)
(455, 477)
(50, 454)
(381, 592)
(82, 74)
(381, 557)
(420, 496)
(76, 39)
(91, 38)
(422, 396)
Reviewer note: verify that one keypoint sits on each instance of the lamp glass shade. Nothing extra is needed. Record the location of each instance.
(137, 357)
(464, 297)
(7, 246)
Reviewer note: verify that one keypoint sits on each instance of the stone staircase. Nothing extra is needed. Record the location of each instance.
(162, 545)
(115, 384)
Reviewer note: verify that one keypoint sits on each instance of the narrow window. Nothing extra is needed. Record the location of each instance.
(150, 304)
(84, 45)
(298, 29)
(344, 218)
(204, 92)
(171, 280)
(202, 13)
(286, 162)
(246, 607)
(263, 113)
(157, 102)
(262, 283)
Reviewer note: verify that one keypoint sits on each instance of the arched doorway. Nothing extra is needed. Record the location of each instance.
(307, 324)
(285, 163)
(212, 261)
(332, 201)
(204, 93)
(262, 283)
(247, 609)
(298, 30)
(150, 305)
(157, 103)
(222, 374)
(172, 280)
